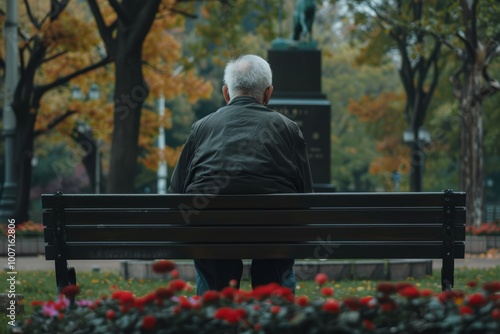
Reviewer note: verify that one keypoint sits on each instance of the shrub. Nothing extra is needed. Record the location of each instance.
(395, 308)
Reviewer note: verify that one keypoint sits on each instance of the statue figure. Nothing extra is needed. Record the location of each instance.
(303, 19)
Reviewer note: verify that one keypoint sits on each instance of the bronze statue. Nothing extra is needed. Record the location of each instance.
(303, 19)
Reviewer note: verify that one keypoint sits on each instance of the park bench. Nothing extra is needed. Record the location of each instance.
(300, 226)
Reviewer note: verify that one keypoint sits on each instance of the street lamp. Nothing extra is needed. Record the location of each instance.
(94, 93)
(162, 173)
(417, 140)
(9, 188)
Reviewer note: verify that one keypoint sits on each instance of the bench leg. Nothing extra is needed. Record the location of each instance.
(447, 274)
(64, 276)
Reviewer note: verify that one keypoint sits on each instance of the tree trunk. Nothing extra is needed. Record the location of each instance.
(130, 93)
(471, 168)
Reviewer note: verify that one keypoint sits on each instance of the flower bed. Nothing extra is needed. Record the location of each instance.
(395, 308)
(27, 229)
(29, 239)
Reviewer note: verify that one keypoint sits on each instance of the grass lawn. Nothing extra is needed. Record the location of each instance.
(40, 285)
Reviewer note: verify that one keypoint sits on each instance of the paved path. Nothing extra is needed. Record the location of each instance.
(39, 263)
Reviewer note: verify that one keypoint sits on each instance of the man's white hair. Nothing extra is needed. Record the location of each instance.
(248, 75)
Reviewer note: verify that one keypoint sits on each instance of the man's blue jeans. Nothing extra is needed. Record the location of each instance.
(216, 274)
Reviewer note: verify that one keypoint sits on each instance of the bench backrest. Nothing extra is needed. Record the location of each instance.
(329, 225)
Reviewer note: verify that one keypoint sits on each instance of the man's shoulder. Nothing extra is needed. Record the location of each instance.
(290, 124)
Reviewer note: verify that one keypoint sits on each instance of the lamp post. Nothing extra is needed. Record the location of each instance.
(162, 165)
(417, 140)
(9, 189)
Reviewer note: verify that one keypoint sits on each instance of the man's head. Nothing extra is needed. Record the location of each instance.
(249, 76)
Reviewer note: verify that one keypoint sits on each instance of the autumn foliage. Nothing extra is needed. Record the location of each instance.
(384, 114)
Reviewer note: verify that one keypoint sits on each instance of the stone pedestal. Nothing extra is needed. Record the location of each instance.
(297, 95)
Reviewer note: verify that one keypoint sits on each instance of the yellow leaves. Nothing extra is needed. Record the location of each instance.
(370, 108)
(170, 155)
(69, 32)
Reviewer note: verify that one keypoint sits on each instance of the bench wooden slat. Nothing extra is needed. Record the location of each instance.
(319, 226)
(343, 250)
(275, 201)
(424, 215)
(361, 232)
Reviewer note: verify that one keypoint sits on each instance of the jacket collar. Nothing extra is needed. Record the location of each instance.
(241, 100)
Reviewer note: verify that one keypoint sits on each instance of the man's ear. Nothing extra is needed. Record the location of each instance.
(267, 95)
(225, 92)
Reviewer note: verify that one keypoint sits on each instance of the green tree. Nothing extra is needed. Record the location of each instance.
(353, 145)
(389, 26)
(476, 43)
(50, 39)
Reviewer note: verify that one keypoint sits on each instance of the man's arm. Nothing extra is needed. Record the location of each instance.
(178, 180)
(302, 161)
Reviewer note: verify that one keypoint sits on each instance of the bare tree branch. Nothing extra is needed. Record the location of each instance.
(57, 55)
(63, 80)
(56, 121)
(33, 19)
(182, 12)
(456, 82)
(105, 31)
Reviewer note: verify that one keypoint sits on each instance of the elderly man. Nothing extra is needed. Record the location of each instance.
(243, 148)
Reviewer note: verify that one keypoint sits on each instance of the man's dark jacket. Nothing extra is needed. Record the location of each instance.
(243, 148)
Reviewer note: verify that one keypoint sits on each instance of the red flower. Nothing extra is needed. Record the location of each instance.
(492, 287)
(409, 292)
(426, 293)
(368, 324)
(495, 314)
(284, 293)
(386, 288)
(450, 295)
(210, 296)
(110, 314)
(124, 296)
(352, 302)
(331, 305)
(275, 309)
(365, 301)
(302, 301)
(228, 293)
(184, 303)
(476, 300)
(174, 274)
(327, 291)
(465, 310)
(163, 266)
(388, 306)
(36, 303)
(403, 285)
(264, 291)
(471, 284)
(233, 283)
(70, 290)
(164, 293)
(321, 279)
(230, 315)
(177, 284)
(148, 322)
